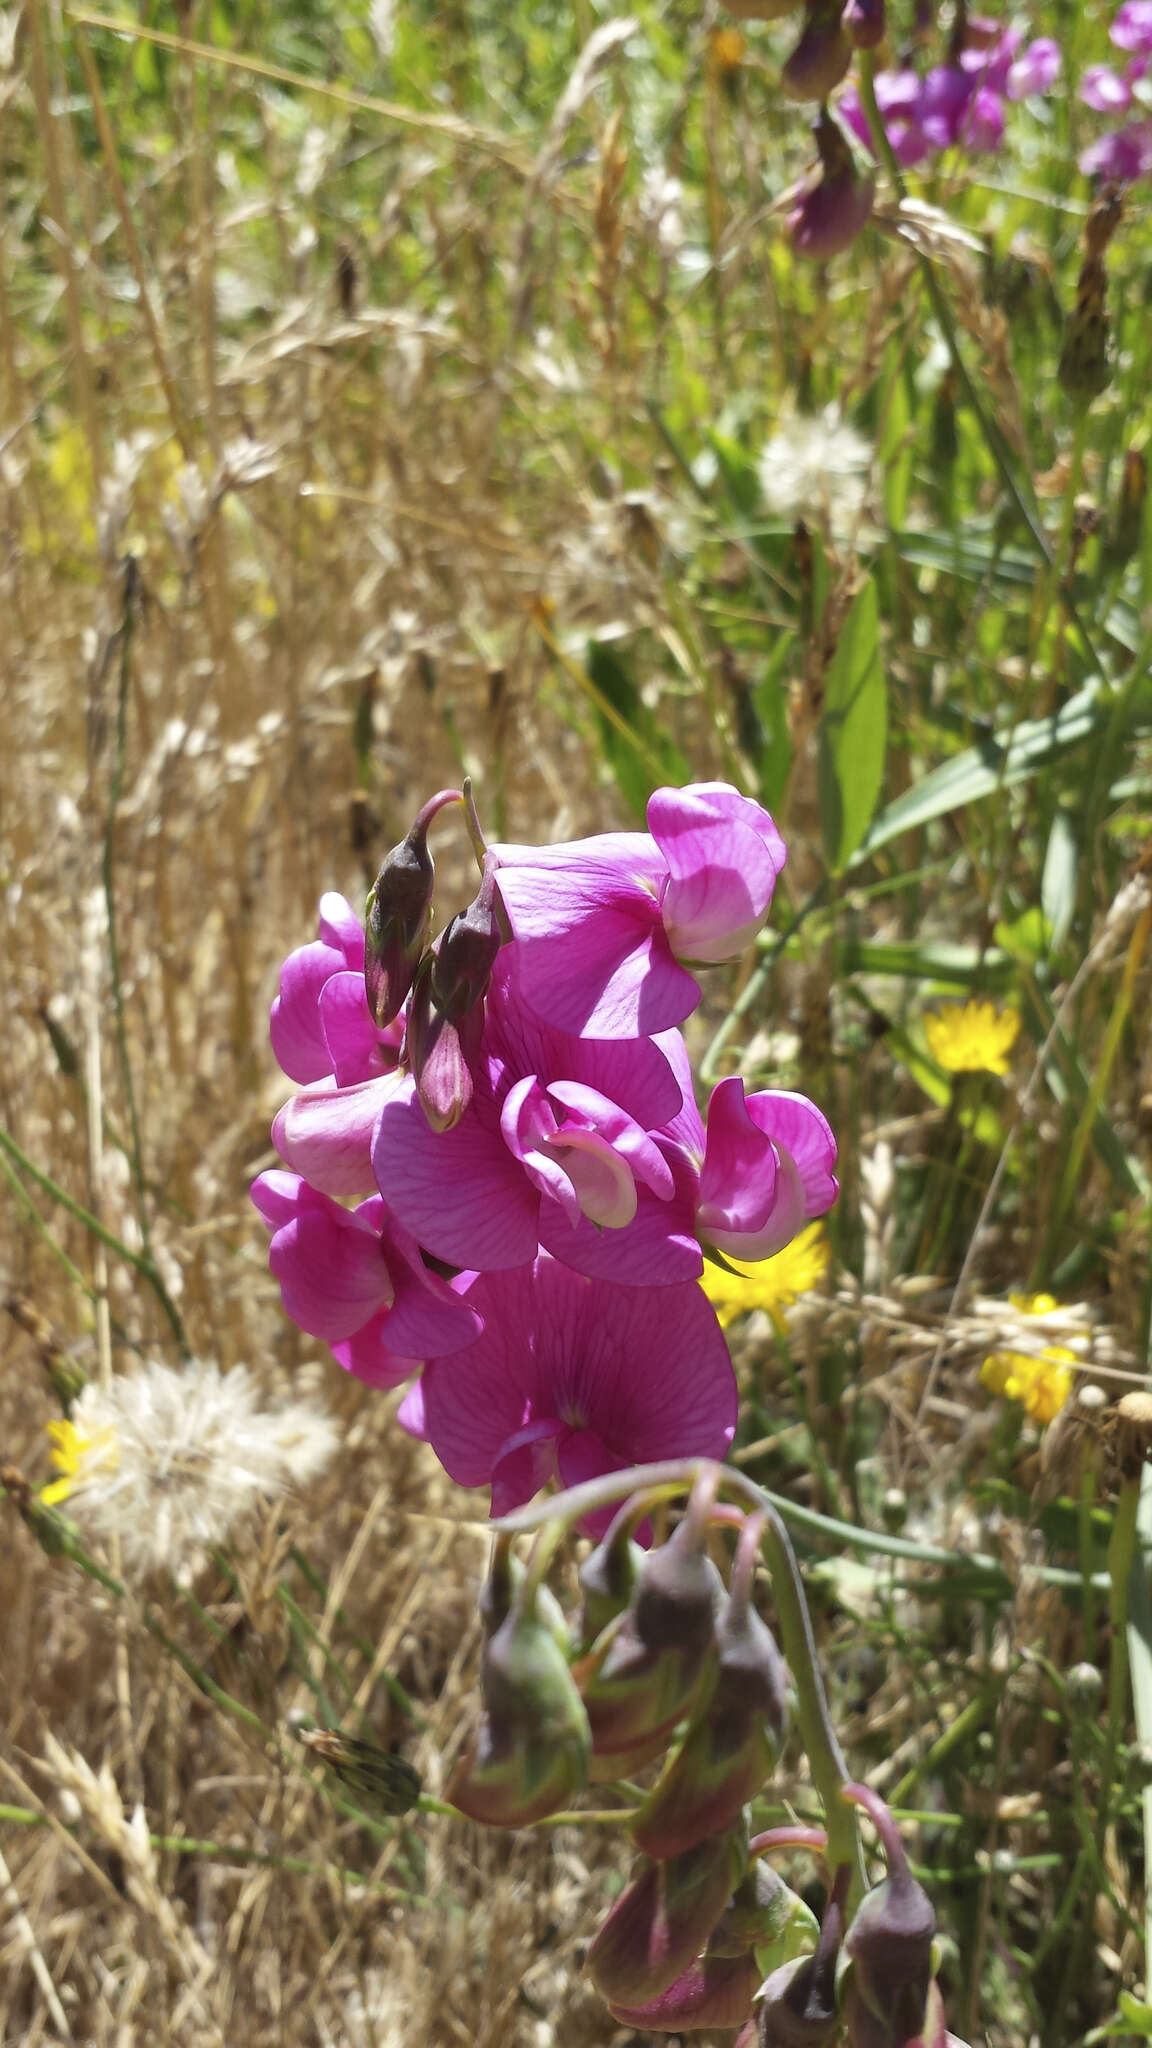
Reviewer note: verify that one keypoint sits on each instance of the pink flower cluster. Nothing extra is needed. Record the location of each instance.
(959, 104)
(508, 1182)
(1126, 152)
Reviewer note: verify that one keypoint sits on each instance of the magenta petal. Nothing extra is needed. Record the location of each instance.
(593, 957)
(356, 1050)
(331, 1269)
(526, 1463)
(410, 1413)
(340, 927)
(326, 1135)
(797, 1126)
(1104, 90)
(367, 1357)
(740, 1180)
(633, 1072)
(459, 1192)
(428, 1318)
(724, 854)
(294, 1025)
(657, 1249)
(595, 1113)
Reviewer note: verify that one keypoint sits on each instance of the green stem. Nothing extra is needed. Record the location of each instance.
(139, 1260)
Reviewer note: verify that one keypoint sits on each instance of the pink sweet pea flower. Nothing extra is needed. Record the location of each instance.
(1122, 157)
(1104, 90)
(1035, 70)
(554, 1149)
(355, 1279)
(1132, 28)
(573, 1378)
(605, 923)
(760, 1170)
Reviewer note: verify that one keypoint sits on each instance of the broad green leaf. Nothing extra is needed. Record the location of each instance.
(994, 764)
(1058, 881)
(853, 731)
(956, 966)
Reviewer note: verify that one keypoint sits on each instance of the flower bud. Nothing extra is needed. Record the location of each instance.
(864, 21)
(822, 55)
(439, 1053)
(399, 909)
(532, 1749)
(889, 1945)
(834, 202)
(608, 1576)
(765, 1916)
(714, 1992)
(663, 1918)
(1126, 533)
(644, 1672)
(732, 1745)
(798, 2002)
(465, 955)
(1084, 1688)
(506, 1575)
(385, 1784)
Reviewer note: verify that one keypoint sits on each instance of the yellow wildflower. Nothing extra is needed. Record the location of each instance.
(77, 1457)
(1040, 1382)
(727, 50)
(771, 1284)
(971, 1038)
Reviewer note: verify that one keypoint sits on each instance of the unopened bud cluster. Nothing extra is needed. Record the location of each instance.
(669, 1671)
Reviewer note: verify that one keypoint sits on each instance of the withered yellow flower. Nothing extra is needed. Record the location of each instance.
(972, 1038)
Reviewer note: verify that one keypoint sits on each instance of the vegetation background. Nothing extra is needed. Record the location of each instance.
(385, 391)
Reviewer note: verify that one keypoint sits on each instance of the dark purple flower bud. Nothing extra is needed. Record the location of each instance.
(715, 1992)
(864, 21)
(732, 1745)
(834, 202)
(889, 1945)
(822, 55)
(399, 906)
(644, 1673)
(663, 1918)
(532, 1749)
(798, 2004)
(437, 1053)
(465, 955)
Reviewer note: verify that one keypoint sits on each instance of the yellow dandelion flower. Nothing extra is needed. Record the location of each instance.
(971, 1038)
(771, 1284)
(726, 52)
(1040, 1382)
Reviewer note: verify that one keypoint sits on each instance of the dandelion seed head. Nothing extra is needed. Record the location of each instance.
(815, 468)
(173, 1460)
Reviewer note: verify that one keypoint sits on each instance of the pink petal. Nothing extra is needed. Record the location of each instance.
(724, 854)
(294, 1025)
(593, 957)
(356, 1050)
(798, 1128)
(741, 1182)
(331, 1267)
(657, 1249)
(367, 1357)
(410, 1413)
(459, 1192)
(326, 1135)
(340, 927)
(526, 1463)
(633, 1072)
(428, 1318)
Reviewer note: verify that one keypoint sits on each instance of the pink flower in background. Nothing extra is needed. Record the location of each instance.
(572, 1378)
(1104, 90)
(1132, 28)
(554, 1149)
(355, 1279)
(604, 924)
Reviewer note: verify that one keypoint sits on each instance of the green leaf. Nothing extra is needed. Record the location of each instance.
(954, 966)
(853, 731)
(636, 747)
(993, 764)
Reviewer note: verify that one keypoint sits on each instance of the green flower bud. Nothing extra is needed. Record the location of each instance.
(889, 1945)
(798, 2003)
(1084, 1687)
(734, 1740)
(644, 1672)
(715, 1992)
(767, 1917)
(532, 1749)
(608, 1576)
(384, 1783)
(663, 1918)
